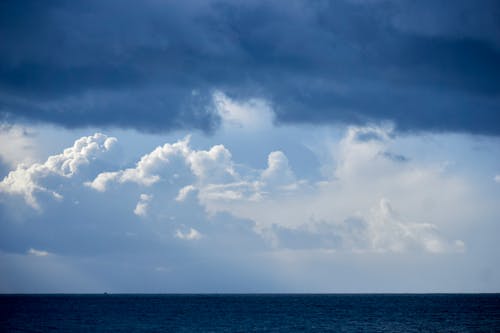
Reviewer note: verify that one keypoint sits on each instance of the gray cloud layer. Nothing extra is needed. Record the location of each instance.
(426, 65)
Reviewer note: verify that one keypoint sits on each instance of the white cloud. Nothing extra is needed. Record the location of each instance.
(386, 231)
(278, 170)
(17, 145)
(361, 175)
(497, 178)
(141, 209)
(192, 234)
(213, 170)
(146, 170)
(277, 179)
(37, 253)
(214, 165)
(360, 153)
(208, 165)
(184, 192)
(250, 115)
(25, 179)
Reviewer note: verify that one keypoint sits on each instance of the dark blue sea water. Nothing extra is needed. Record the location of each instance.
(251, 313)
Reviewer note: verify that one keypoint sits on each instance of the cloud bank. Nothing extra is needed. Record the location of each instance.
(346, 210)
(337, 209)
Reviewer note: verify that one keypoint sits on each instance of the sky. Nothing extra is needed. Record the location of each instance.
(224, 146)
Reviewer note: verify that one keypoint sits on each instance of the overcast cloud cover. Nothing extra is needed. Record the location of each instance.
(249, 146)
(426, 65)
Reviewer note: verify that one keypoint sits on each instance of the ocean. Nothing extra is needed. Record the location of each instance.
(251, 313)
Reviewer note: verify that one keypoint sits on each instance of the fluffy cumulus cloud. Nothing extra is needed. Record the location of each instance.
(362, 195)
(278, 170)
(338, 211)
(347, 209)
(155, 67)
(27, 180)
(214, 170)
(207, 165)
(145, 172)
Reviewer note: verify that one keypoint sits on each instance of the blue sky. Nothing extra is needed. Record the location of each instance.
(249, 146)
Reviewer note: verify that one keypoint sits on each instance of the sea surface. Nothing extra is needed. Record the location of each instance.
(251, 313)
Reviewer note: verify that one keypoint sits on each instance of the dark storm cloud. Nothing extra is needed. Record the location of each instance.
(152, 65)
